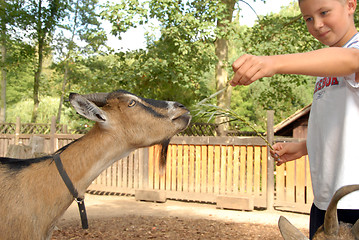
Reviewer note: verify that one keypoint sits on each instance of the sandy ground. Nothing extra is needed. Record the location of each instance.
(118, 206)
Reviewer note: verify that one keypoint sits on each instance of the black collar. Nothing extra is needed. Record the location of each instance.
(80, 200)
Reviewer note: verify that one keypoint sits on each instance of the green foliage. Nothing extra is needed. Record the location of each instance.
(178, 65)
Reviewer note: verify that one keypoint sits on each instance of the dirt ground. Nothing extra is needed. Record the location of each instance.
(119, 217)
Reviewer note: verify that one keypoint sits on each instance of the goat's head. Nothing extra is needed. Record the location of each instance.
(143, 122)
(331, 229)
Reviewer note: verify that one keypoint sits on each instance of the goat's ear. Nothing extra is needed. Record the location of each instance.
(87, 108)
(355, 229)
(288, 231)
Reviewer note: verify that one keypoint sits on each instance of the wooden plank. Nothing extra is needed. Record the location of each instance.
(113, 174)
(257, 170)
(204, 169)
(119, 172)
(141, 177)
(280, 182)
(249, 169)
(180, 168)
(174, 167)
(217, 140)
(130, 169)
(264, 170)
(210, 177)
(124, 172)
(229, 184)
(191, 168)
(198, 169)
(236, 151)
(242, 170)
(151, 167)
(223, 167)
(290, 184)
(300, 180)
(217, 159)
(157, 168)
(136, 173)
(185, 168)
(168, 174)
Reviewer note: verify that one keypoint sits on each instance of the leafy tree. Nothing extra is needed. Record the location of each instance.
(41, 19)
(10, 14)
(81, 21)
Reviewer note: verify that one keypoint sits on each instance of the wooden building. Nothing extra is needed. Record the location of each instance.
(296, 125)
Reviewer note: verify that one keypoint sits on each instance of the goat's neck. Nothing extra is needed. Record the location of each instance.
(85, 159)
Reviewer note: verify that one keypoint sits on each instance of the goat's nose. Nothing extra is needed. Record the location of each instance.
(179, 105)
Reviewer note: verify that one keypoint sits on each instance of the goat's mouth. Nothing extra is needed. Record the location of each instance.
(182, 120)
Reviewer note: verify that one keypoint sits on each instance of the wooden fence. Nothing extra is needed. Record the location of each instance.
(203, 168)
(198, 169)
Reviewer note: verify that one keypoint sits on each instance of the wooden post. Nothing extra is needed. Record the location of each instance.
(270, 161)
(53, 144)
(17, 131)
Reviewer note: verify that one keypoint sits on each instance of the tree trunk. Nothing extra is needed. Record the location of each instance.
(37, 82)
(3, 63)
(3, 83)
(221, 48)
(40, 46)
(62, 93)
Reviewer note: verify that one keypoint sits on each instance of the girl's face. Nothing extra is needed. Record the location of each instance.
(329, 21)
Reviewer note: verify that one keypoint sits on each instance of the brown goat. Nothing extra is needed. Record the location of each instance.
(331, 229)
(33, 195)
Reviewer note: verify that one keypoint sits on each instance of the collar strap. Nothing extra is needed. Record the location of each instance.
(80, 200)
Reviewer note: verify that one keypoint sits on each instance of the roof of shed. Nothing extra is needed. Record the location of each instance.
(298, 114)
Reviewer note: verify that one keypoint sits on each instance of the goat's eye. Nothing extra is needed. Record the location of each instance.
(132, 103)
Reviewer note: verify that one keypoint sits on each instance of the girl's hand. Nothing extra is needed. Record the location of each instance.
(284, 152)
(249, 68)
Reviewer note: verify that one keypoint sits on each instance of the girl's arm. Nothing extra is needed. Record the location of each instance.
(332, 61)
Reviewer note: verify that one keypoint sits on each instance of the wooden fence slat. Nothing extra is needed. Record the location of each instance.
(168, 184)
(249, 169)
(204, 169)
(223, 169)
(229, 185)
(242, 170)
(280, 182)
(257, 171)
(236, 151)
(264, 170)
(290, 185)
(210, 177)
(130, 170)
(300, 180)
(198, 169)
(217, 159)
(174, 167)
(157, 153)
(151, 167)
(180, 168)
(185, 168)
(191, 168)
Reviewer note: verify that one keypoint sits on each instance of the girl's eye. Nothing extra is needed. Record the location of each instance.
(132, 103)
(309, 19)
(324, 12)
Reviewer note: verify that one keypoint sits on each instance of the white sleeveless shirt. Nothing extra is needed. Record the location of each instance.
(333, 137)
